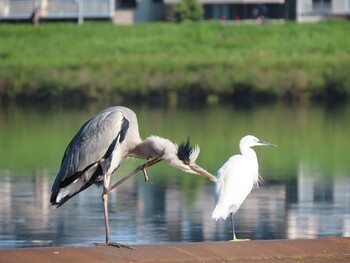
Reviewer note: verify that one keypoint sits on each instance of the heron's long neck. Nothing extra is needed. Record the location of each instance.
(153, 146)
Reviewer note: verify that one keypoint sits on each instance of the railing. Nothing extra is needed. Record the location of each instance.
(57, 9)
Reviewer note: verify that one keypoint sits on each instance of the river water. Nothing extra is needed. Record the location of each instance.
(306, 193)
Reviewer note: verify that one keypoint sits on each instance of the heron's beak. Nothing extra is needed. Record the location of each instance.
(199, 170)
(267, 143)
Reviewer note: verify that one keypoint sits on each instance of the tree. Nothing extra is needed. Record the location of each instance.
(189, 10)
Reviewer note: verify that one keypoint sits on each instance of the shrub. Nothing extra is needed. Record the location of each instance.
(190, 10)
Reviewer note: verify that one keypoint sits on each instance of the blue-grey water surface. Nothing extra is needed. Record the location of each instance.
(306, 193)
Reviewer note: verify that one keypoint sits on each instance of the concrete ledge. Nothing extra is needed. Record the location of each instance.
(310, 250)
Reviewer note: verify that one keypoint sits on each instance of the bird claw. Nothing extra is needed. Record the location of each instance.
(148, 164)
(114, 244)
(145, 174)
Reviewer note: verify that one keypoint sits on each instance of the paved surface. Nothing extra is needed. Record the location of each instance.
(311, 250)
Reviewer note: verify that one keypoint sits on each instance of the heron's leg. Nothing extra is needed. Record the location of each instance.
(141, 167)
(107, 190)
(109, 242)
(234, 238)
(106, 180)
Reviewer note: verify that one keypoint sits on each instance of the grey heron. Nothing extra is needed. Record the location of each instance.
(100, 146)
(236, 179)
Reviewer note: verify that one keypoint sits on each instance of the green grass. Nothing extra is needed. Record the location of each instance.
(102, 60)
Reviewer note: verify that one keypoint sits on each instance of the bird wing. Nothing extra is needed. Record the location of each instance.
(95, 140)
(236, 182)
(220, 176)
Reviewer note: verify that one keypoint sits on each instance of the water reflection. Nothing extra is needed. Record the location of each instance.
(322, 207)
(156, 212)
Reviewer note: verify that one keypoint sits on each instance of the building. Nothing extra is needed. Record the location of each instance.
(138, 11)
(239, 9)
(57, 9)
(133, 11)
(314, 10)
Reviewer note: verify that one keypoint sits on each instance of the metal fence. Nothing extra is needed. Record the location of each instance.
(57, 9)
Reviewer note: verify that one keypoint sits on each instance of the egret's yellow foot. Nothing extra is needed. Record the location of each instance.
(236, 239)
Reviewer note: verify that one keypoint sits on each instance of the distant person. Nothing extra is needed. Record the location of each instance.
(263, 10)
(223, 19)
(36, 15)
(255, 13)
(259, 13)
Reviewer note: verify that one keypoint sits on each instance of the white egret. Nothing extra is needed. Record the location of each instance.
(237, 177)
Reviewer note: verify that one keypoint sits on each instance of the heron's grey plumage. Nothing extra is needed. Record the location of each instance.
(91, 152)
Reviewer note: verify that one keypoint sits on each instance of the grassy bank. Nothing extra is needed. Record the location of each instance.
(101, 60)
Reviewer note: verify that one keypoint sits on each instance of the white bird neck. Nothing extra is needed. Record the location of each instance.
(249, 153)
(254, 165)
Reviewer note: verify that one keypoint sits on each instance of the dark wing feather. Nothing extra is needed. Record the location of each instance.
(95, 140)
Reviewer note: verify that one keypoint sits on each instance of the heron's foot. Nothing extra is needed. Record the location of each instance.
(145, 166)
(114, 244)
(145, 174)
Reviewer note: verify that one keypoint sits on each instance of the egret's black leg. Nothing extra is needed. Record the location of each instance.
(234, 238)
(233, 228)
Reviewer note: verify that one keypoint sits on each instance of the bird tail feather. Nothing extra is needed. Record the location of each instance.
(219, 213)
(66, 193)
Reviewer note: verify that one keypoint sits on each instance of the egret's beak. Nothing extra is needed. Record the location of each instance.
(199, 170)
(267, 143)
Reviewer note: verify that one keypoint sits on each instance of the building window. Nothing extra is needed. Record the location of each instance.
(127, 3)
(322, 5)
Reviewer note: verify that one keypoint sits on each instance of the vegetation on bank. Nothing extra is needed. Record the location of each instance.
(170, 61)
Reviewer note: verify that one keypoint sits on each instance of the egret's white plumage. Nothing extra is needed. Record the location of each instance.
(237, 177)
